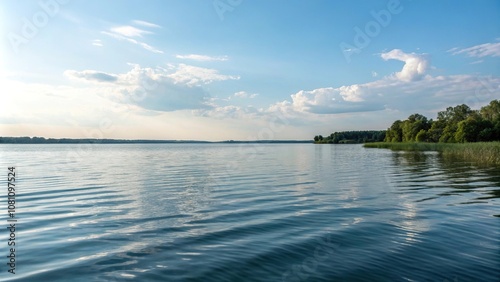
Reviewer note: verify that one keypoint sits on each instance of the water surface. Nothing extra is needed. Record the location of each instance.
(231, 212)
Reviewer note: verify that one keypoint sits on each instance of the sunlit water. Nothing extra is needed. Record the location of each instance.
(226, 212)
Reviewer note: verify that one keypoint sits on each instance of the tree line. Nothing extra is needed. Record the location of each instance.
(351, 137)
(457, 124)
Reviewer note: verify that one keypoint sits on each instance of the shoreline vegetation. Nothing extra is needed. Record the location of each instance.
(42, 140)
(481, 153)
(459, 124)
(351, 137)
(458, 132)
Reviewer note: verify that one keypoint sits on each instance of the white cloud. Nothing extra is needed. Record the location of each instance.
(373, 104)
(91, 75)
(240, 94)
(415, 65)
(146, 24)
(159, 89)
(408, 90)
(86, 112)
(351, 93)
(178, 74)
(203, 58)
(175, 98)
(479, 51)
(428, 94)
(153, 89)
(129, 31)
(192, 75)
(331, 101)
(131, 40)
(97, 42)
(244, 94)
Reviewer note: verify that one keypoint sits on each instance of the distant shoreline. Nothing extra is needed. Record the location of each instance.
(42, 140)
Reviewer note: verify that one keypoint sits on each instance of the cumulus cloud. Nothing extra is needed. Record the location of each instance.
(375, 103)
(192, 75)
(430, 93)
(331, 101)
(152, 89)
(479, 51)
(410, 89)
(159, 89)
(203, 58)
(415, 65)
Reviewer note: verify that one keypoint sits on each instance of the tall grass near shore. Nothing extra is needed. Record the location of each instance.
(482, 153)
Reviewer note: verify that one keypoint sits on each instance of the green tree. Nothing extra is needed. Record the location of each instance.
(448, 135)
(436, 130)
(422, 136)
(491, 112)
(467, 131)
(454, 115)
(412, 126)
(451, 118)
(474, 128)
(395, 132)
(455, 124)
(487, 134)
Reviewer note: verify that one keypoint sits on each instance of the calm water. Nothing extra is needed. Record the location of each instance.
(221, 212)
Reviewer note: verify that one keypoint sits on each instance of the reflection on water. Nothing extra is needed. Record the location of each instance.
(441, 176)
(208, 212)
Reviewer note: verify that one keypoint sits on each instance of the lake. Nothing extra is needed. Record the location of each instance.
(231, 212)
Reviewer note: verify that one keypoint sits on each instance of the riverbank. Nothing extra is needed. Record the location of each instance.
(482, 153)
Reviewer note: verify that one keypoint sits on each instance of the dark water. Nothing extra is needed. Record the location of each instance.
(221, 212)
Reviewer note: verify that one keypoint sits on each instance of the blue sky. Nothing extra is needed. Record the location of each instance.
(239, 69)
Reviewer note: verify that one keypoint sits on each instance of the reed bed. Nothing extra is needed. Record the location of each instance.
(483, 153)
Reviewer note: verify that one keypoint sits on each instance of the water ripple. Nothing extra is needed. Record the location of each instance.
(289, 213)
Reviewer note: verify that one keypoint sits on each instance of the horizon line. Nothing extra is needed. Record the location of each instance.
(38, 139)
